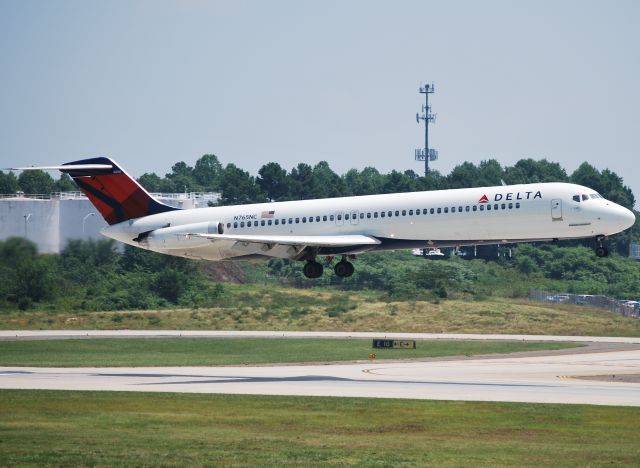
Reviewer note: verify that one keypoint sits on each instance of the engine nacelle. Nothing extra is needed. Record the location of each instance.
(179, 237)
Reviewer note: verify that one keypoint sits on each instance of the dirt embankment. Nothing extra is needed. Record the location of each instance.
(225, 272)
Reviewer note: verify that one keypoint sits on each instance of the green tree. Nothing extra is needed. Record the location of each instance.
(239, 187)
(301, 184)
(66, 184)
(36, 182)
(325, 183)
(8, 183)
(208, 172)
(274, 181)
(182, 179)
(151, 182)
(529, 171)
(367, 182)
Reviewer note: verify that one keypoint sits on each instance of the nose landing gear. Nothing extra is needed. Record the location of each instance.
(601, 250)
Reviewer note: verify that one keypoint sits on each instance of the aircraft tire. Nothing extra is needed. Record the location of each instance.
(343, 269)
(602, 252)
(312, 269)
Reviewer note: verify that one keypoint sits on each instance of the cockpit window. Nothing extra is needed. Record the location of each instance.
(585, 197)
(576, 198)
(596, 195)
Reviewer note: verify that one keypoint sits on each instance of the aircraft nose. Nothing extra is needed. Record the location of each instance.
(627, 218)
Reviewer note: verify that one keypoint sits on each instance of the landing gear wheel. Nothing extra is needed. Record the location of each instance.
(344, 269)
(312, 269)
(602, 252)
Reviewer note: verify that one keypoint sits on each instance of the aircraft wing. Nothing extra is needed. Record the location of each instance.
(292, 247)
(302, 241)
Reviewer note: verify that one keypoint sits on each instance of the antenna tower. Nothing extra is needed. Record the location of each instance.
(426, 154)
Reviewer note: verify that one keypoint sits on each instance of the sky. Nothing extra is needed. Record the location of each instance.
(150, 83)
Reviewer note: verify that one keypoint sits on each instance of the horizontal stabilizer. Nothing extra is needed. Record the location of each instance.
(69, 167)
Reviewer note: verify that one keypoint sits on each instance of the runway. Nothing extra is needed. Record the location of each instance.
(534, 379)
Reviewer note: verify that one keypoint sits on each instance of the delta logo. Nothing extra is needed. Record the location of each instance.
(512, 196)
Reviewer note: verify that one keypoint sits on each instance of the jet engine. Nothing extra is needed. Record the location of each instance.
(179, 237)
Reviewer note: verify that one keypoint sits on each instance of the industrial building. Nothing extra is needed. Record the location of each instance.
(52, 220)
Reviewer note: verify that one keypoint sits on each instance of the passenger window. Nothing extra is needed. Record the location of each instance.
(446, 209)
(304, 219)
(417, 211)
(481, 207)
(375, 214)
(317, 219)
(346, 217)
(276, 221)
(235, 225)
(262, 223)
(297, 220)
(459, 209)
(368, 215)
(453, 209)
(339, 217)
(242, 224)
(255, 223)
(439, 210)
(361, 215)
(331, 218)
(488, 207)
(495, 207)
(290, 220)
(324, 218)
(432, 210)
(576, 198)
(424, 211)
(228, 225)
(311, 219)
(410, 212)
(382, 214)
(475, 208)
(397, 213)
(504, 206)
(404, 212)
(466, 208)
(389, 214)
(517, 204)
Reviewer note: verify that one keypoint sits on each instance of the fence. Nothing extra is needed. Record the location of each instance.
(626, 308)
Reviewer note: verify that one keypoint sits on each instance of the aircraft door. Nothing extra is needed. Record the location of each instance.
(556, 209)
(339, 218)
(354, 217)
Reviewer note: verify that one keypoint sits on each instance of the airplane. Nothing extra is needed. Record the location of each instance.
(308, 229)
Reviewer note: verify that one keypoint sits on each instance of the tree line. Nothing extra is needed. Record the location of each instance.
(275, 183)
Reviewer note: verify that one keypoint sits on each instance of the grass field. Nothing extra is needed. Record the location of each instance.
(260, 307)
(137, 429)
(205, 351)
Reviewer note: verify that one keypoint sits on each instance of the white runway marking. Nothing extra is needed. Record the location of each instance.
(539, 379)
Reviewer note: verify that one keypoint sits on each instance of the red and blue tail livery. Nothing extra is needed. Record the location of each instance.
(115, 194)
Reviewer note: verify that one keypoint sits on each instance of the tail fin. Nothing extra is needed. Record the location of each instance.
(115, 194)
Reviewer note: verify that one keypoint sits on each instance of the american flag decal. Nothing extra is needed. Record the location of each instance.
(267, 214)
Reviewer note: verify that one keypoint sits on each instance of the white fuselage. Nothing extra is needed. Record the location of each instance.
(515, 213)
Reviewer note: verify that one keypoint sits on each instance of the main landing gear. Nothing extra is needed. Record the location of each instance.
(344, 268)
(313, 269)
(601, 250)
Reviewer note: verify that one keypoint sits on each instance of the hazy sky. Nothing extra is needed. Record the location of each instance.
(150, 83)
